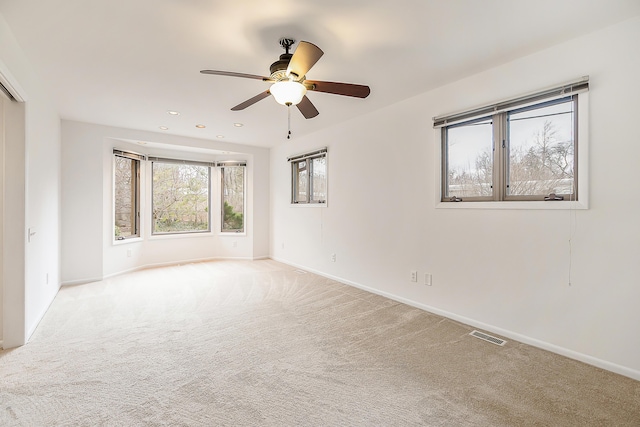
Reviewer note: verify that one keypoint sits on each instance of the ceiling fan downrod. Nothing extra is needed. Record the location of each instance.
(286, 44)
(279, 67)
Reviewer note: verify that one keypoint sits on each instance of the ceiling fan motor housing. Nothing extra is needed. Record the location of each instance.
(280, 65)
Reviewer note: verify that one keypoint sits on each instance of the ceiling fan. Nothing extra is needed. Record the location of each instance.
(289, 82)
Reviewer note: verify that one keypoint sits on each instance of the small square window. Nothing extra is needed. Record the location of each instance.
(309, 178)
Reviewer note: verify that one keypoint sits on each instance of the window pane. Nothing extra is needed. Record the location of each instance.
(319, 180)
(180, 198)
(301, 181)
(125, 204)
(233, 198)
(469, 165)
(541, 150)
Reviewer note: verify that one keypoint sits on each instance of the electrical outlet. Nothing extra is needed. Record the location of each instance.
(427, 279)
(129, 253)
(333, 257)
(235, 244)
(414, 276)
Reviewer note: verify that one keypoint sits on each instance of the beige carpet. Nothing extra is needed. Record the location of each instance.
(260, 344)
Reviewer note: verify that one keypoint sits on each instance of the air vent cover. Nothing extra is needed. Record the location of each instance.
(489, 338)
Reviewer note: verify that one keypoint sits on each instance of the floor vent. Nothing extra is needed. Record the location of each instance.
(483, 336)
(300, 271)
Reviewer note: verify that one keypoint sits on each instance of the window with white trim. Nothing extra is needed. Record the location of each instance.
(232, 178)
(126, 200)
(181, 196)
(309, 177)
(524, 149)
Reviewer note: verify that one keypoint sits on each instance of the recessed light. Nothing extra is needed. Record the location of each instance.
(173, 113)
(200, 126)
(238, 125)
(164, 128)
(142, 143)
(219, 136)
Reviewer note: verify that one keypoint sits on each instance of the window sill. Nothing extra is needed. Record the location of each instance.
(231, 233)
(308, 205)
(180, 235)
(127, 241)
(533, 205)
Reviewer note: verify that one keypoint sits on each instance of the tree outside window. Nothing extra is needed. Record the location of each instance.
(126, 194)
(232, 197)
(180, 198)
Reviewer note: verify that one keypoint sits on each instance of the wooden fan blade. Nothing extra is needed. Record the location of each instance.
(305, 56)
(307, 109)
(232, 74)
(346, 89)
(249, 102)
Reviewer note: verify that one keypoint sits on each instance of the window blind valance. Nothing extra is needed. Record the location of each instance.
(138, 156)
(317, 153)
(181, 162)
(575, 87)
(222, 164)
(129, 154)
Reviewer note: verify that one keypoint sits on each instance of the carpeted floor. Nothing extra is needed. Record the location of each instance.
(257, 343)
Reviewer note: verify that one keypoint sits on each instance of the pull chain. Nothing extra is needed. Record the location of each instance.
(289, 120)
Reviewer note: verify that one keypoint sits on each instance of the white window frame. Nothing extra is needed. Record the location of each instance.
(579, 87)
(308, 157)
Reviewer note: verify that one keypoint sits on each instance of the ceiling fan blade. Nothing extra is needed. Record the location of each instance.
(305, 56)
(249, 102)
(346, 89)
(307, 108)
(232, 74)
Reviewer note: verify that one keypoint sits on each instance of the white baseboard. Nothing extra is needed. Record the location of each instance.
(603, 364)
(81, 281)
(156, 265)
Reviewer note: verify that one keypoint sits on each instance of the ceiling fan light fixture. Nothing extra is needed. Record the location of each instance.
(288, 92)
(288, 80)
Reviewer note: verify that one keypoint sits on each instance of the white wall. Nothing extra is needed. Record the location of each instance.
(3, 99)
(31, 269)
(88, 250)
(504, 270)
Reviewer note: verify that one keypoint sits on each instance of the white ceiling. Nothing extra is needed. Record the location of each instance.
(126, 63)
